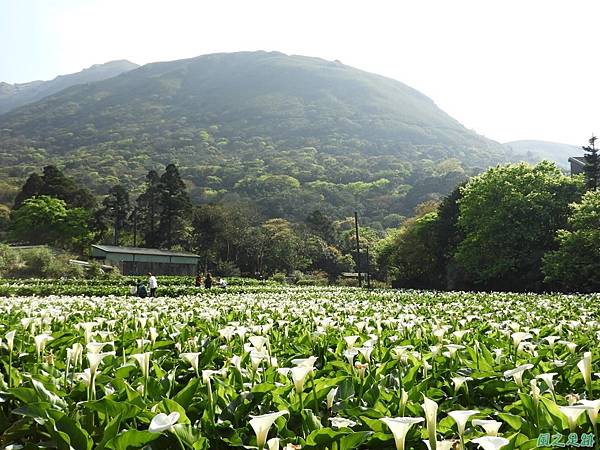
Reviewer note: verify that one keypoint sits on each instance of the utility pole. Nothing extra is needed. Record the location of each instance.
(135, 227)
(357, 249)
(368, 275)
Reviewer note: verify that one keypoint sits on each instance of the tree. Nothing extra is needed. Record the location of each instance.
(509, 216)
(78, 232)
(47, 220)
(448, 235)
(9, 260)
(575, 265)
(4, 219)
(175, 208)
(284, 250)
(55, 184)
(319, 224)
(148, 209)
(591, 169)
(326, 257)
(116, 209)
(31, 188)
(410, 255)
(208, 225)
(38, 220)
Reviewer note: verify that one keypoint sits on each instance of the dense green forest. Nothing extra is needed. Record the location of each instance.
(257, 161)
(289, 134)
(516, 227)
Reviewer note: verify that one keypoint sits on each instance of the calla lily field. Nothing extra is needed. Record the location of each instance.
(270, 366)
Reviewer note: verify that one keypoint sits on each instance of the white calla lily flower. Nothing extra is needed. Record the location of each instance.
(517, 373)
(192, 358)
(461, 417)
(491, 442)
(341, 422)
(262, 424)
(491, 427)
(162, 422)
(10, 340)
(572, 413)
(430, 408)
(399, 426)
(585, 367)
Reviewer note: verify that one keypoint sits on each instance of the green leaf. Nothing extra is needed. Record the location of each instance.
(132, 440)
(47, 396)
(185, 396)
(323, 437)
(354, 440)
(110, 431)
(374, 424)
(515, 422)
(78, 437)
(111, 408)
(168, 406)
(310, 422)
(36, 411)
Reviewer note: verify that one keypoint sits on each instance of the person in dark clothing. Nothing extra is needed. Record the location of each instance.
(198, 280)
(208, 281)
(142, 292)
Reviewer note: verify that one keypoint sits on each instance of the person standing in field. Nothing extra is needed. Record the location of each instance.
(141, 289)
(198, 280)
(208, 281)
(152, 284)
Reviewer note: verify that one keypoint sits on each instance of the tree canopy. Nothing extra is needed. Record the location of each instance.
(575, 265)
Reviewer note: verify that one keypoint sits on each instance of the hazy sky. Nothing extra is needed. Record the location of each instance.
(509, 69)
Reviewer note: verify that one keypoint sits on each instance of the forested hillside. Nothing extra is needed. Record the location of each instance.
(292, 134)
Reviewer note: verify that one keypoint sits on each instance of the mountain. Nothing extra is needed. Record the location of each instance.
(288, 133)
(14, 95)
(534, 151)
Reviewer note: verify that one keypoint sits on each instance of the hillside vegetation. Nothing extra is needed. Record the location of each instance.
(289, 133)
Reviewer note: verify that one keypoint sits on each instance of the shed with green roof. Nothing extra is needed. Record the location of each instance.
(140, 261)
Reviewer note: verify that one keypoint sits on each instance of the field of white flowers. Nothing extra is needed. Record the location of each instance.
(311, 368)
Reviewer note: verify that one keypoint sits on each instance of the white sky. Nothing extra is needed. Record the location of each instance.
(509, 69)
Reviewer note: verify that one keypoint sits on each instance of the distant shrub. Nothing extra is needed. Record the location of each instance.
(10, 261)
(44, 263)
(35, 262)
(94, 270)
(353, 282)
(313, 281)
(279, 277)
(227, 269)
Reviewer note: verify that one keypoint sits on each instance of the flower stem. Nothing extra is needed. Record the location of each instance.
(180, 441)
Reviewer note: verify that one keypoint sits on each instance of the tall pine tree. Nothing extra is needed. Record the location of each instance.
(175, 208)
(148, 210)
(30, 189)
(116, 209)
(55, 184)
(591, 169)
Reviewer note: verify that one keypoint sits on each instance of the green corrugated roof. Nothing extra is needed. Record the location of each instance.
(142, 251)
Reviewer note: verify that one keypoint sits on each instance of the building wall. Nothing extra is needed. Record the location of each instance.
(141, 264)
(576, 168)
(156, 268)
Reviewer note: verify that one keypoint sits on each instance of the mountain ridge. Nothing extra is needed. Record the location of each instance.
(343, 137)
(534, 151)
(15, 95)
